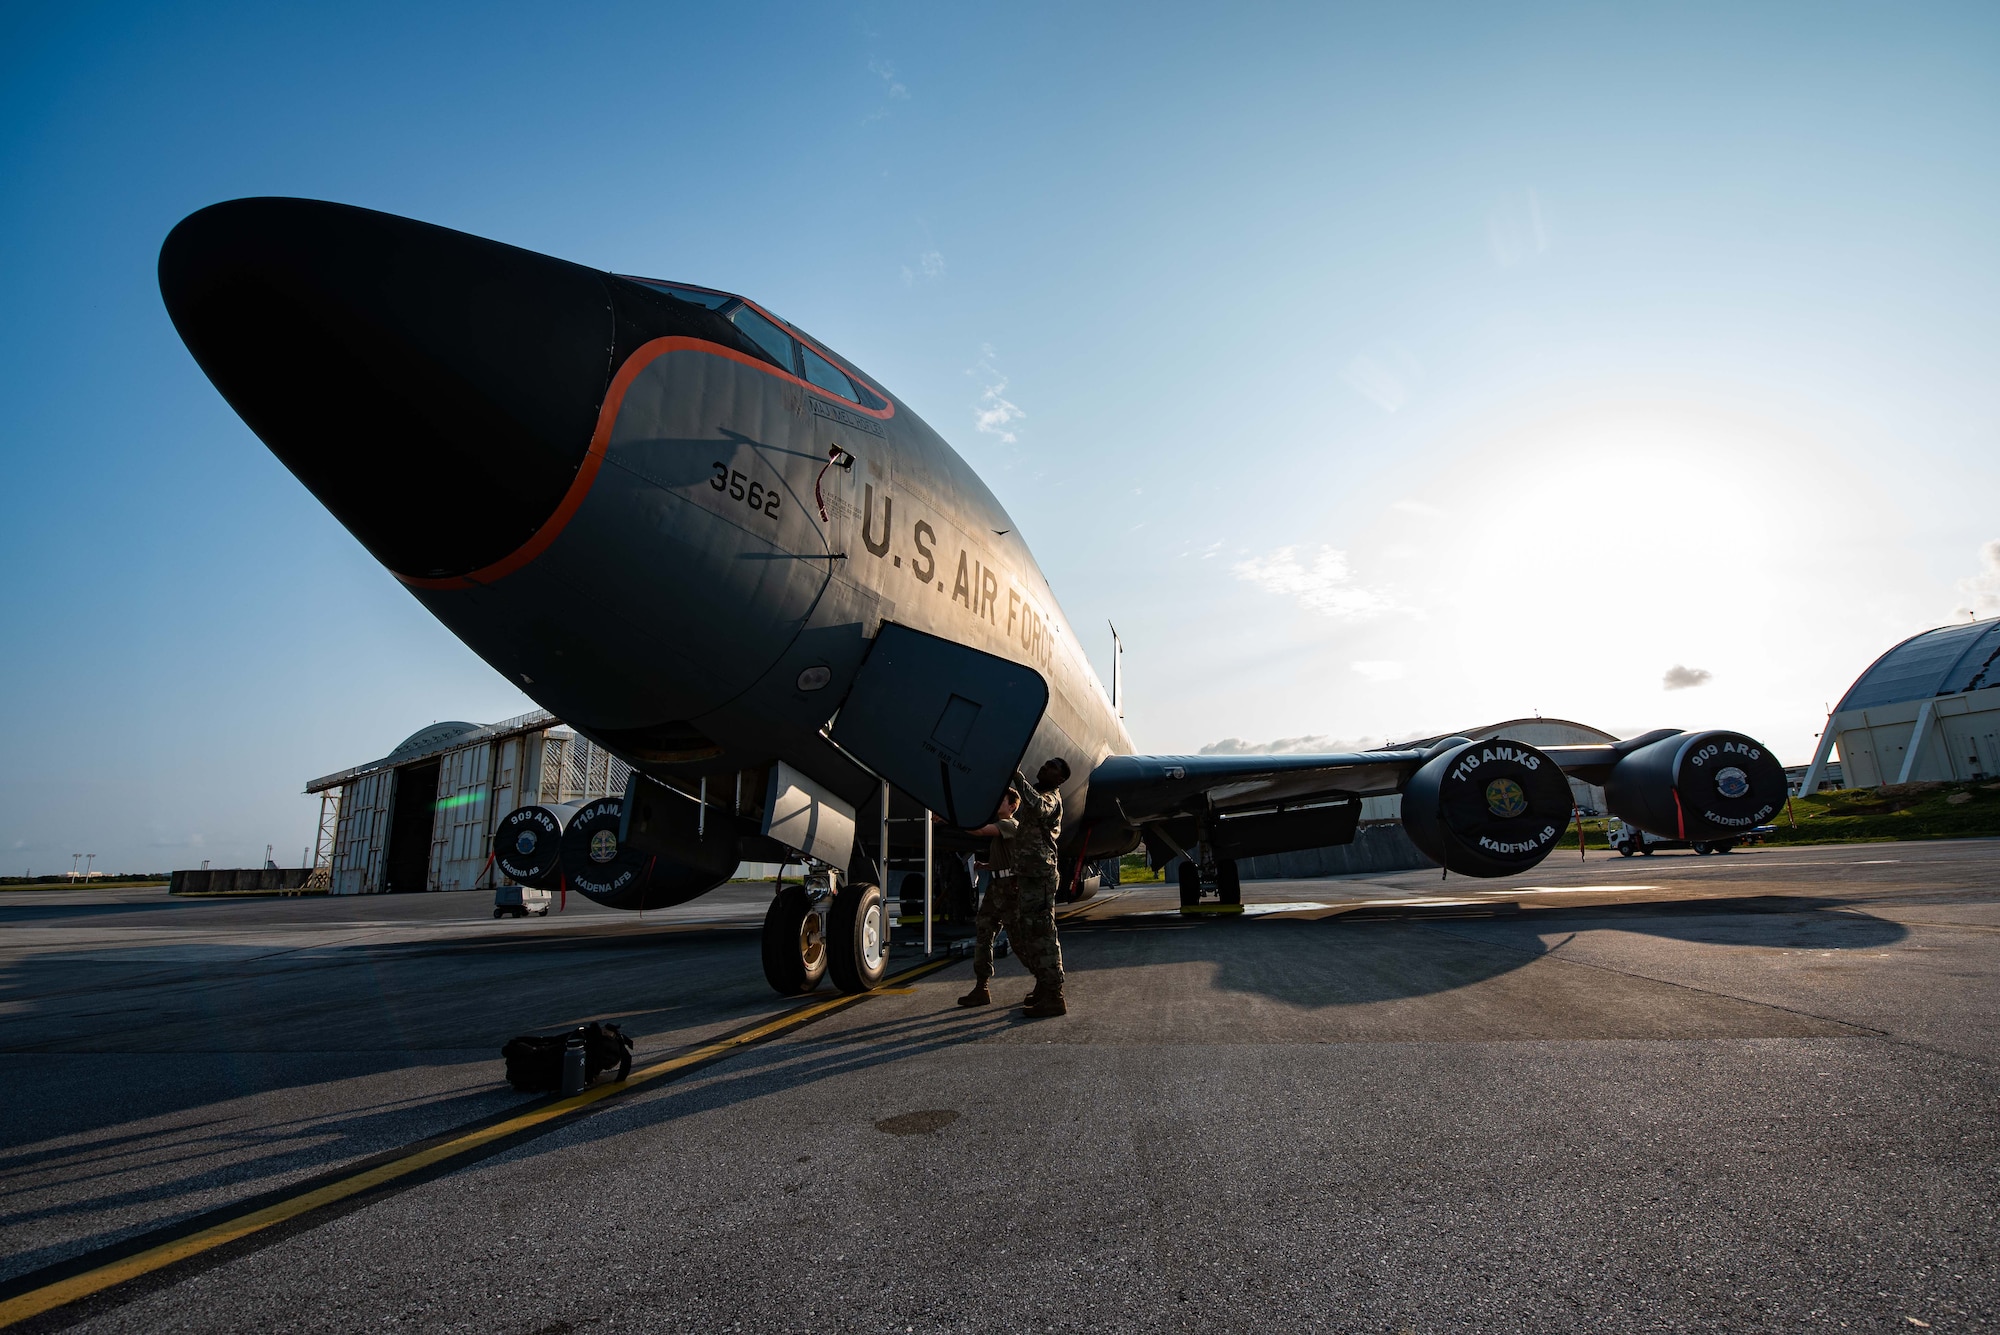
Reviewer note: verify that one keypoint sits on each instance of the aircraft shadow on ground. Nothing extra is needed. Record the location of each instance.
(392, 1005)
(35, 915)
(201, 1158)
(1368, 956)
(129, 1042)
(303, 1145)
(791, 1066)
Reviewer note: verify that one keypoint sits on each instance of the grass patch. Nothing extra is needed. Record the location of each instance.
(1132, 870)
(1593, 834)
(1895, 811)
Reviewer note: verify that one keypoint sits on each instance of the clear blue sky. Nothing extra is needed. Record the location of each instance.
(1379, 369)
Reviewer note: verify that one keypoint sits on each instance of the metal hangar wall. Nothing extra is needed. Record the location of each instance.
(1929, 709)
(423, 816)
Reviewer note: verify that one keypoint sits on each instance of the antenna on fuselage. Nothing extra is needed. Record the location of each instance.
(1117, 672)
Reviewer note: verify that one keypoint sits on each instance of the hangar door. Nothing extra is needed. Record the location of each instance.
(411, 817)
(357, 843)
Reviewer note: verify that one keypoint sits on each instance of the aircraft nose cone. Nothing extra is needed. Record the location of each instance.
(436, 391)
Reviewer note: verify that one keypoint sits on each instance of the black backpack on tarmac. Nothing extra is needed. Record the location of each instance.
(534, 1061)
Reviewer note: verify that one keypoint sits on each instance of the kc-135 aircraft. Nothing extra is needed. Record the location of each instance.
(719, 549)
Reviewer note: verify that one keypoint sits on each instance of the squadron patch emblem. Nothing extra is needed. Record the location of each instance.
(1505, 799)
(1732, 782)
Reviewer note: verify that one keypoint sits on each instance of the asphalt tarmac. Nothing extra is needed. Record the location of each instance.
(1750, 1092)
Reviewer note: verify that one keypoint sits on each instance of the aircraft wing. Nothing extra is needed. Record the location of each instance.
(1491, 807)
(1152, 788)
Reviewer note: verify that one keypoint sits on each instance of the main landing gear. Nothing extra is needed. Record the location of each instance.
(814, 929)
(1219, 873)
(794, 941)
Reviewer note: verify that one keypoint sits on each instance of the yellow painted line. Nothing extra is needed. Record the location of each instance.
(64, 1291)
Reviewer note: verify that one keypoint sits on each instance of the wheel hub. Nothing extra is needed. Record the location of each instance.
(871, 937)
(812, 940)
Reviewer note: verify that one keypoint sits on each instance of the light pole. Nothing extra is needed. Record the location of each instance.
(88, 858)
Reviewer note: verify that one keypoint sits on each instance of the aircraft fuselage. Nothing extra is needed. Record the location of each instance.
(743, 533)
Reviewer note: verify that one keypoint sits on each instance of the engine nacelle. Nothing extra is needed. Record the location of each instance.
(1697, 785)
(1487, 808)
(527, 848)
(663, 857)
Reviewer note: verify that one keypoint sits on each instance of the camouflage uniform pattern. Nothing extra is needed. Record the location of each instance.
(997, 907)
(1036, 877)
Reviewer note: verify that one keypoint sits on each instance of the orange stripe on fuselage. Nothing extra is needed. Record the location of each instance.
(593, 460)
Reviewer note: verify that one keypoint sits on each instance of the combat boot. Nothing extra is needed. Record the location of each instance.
(1045, 1004)
(978, 996)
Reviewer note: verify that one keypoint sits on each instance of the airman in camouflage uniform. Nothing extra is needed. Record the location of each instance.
(1037, 878)
(997, 905)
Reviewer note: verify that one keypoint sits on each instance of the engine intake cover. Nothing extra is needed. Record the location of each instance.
(1697, 785)
(621, 875)
(528, 845)
(1487, 808)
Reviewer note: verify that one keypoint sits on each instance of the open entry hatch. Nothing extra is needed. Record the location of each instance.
(945, 723)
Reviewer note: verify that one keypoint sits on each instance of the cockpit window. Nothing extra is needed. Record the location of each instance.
(712, 300)
(827, 376)
(766, 336)
(775, 340)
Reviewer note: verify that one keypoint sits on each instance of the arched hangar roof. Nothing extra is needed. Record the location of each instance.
(1944, 661)
(425, 741)
(1533, 731)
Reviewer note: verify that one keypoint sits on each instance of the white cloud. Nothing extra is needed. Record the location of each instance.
(992, 412)
(1982, 591)
(909, 276)
(932, 263)
(887, 72)
(1678, 678)
(1317, 744)
(1420, 509)
(1380, 669)
(1320, 581)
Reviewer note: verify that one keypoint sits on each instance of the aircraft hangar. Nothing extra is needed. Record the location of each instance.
(423, 816)
(1928, 709)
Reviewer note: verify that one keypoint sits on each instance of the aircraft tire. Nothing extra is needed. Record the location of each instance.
(794, 943)
(1190, 884)
(1228, 882)
(857, 938)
